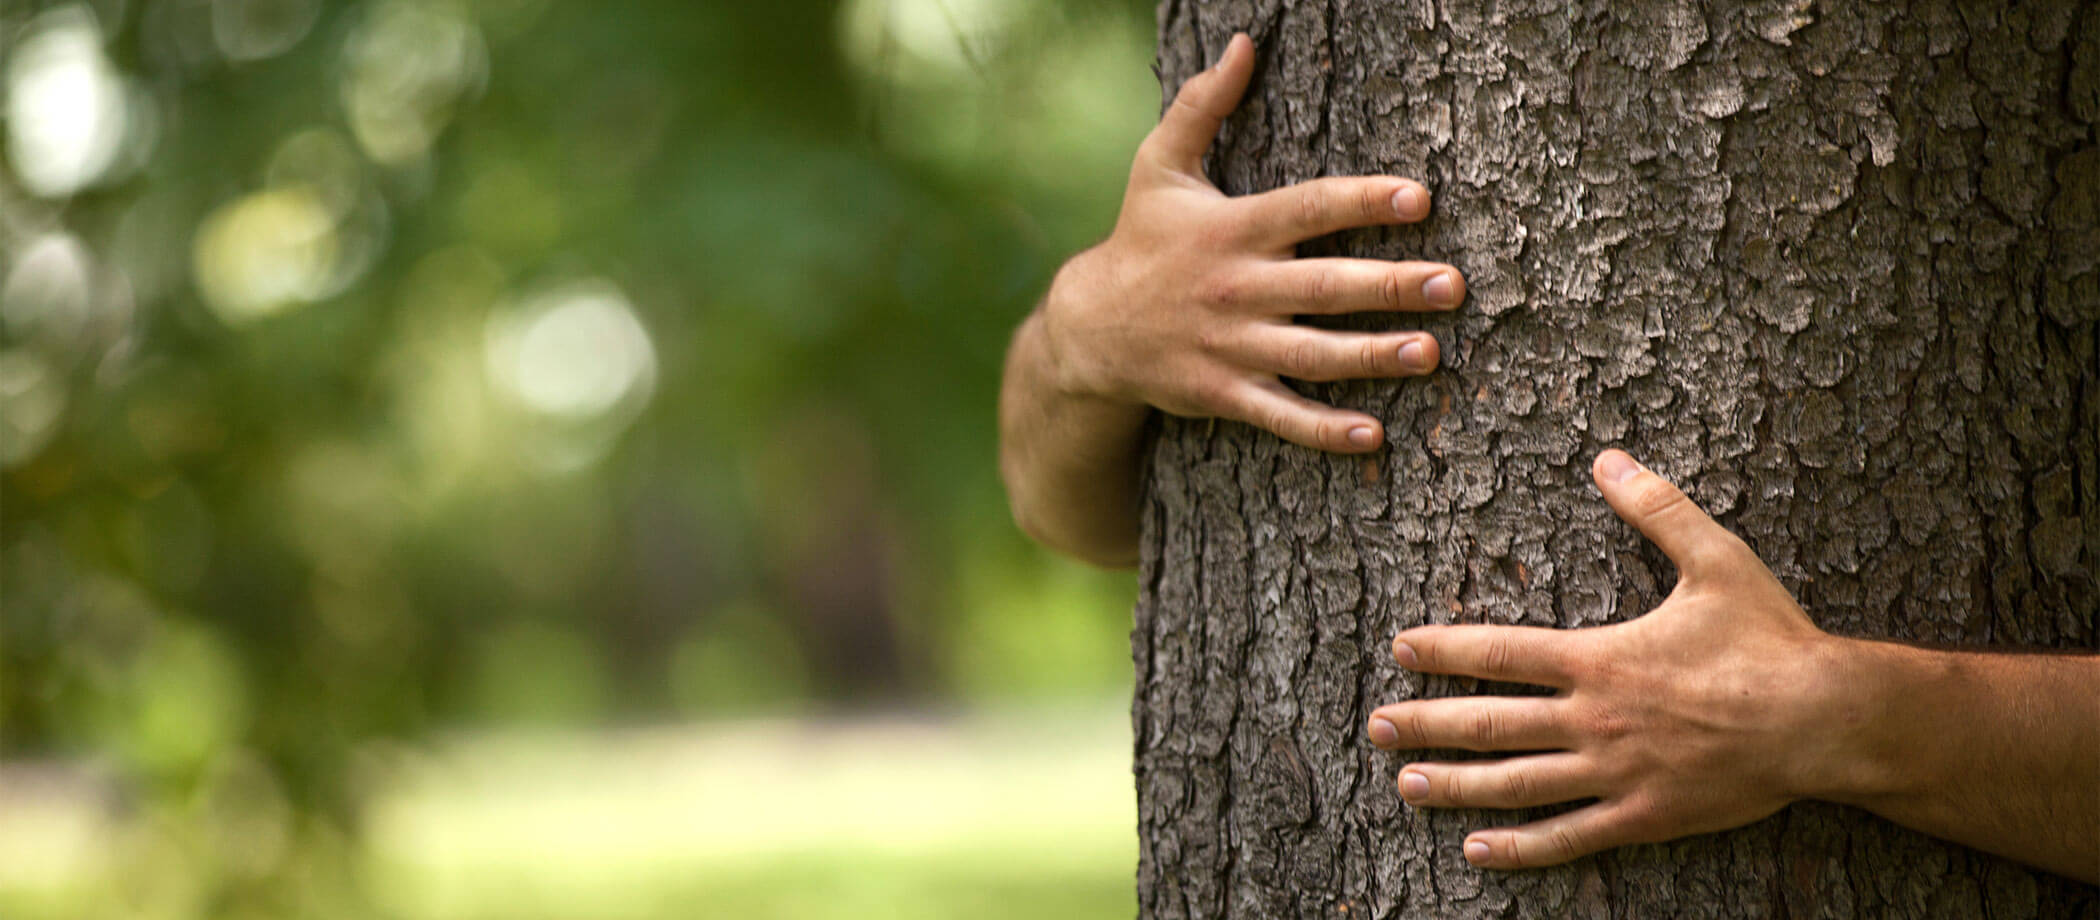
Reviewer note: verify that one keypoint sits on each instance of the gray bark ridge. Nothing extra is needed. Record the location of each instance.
(1833, 267)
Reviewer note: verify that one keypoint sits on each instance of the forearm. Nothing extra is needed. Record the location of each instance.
(1996, 751)
(1070, 461)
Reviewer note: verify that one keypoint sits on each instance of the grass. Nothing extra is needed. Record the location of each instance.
(1013, 813)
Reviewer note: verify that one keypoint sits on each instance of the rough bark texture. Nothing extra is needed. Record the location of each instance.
(1834, 267)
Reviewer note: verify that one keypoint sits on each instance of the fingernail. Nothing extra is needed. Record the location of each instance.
(1410, 203)
(1440, 290)
(1413, 786)
(1383, 733)
(1414, 357)
(1404, 653)
(1476, 852)
(1616, 466)
(1362, 436)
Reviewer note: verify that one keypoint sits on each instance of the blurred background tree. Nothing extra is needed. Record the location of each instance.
(370, 369)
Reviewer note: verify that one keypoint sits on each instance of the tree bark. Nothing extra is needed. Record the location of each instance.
(1832, 267)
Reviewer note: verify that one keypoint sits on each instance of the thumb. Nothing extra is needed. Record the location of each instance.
(1649, 502)
(1185, 131)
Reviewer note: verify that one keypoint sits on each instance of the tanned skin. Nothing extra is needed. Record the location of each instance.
(1721, 706)
(1725, 704)
(1187, 308)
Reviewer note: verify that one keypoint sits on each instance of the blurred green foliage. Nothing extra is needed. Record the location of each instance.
(369, 368)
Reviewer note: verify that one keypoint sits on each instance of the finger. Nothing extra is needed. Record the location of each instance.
(1273, 407)
(1306, 353)
(1523, 654)
(1358, 286)
(1519, 782)
(1186, 129)
(1288, 215)
(1472, 723)
(1661, 511)
(1552, 841)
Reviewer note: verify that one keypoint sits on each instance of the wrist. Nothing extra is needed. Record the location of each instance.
(1064, 358)
(1871, 729)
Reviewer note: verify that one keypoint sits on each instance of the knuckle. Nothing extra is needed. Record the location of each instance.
(1370, 356)
(1214, 395)
(1520, 851)
(1584, 662)
(1485, 726)
(1370, 204)
(1518, 787)
(1279, 421)
(1319, 287)
(1312, 205)
(1704, 556)
(1604, 723)
(1498, 654)
(1417, 727)
(1302, 358)
(1224, 293)
(1456, 788)
(1147, 155)
(1642, 820)
(1330, 432)
(1230, 230)
(1563, 843)
(1720, 551)
(1392, 292)
(1428, 650)
(1192, 91)
(1658, 499)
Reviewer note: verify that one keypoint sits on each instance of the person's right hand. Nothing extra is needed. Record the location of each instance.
(1188, 305)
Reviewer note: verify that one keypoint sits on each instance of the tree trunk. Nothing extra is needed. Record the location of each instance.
(1832, 267)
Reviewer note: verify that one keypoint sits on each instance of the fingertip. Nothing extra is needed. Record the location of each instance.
(1414, 786)
(1383, 733)
(1445, 289)
(1362, 436)
(1404, 652)
(1614, 466)
(1418, 355)
(1478, 852)
(1235, 49)
(1410, 201)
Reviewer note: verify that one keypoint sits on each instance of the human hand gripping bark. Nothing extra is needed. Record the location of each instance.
(1678, 722)
(1188, 307)
(1726, 703)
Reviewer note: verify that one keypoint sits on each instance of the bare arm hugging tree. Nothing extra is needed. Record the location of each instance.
(1726, 704)
(1188, 308)
(1832, 267)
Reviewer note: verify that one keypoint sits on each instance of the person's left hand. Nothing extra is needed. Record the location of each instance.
(1714, 710)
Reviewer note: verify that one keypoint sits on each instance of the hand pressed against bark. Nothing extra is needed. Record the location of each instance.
(1188, 305)
(1702, 715)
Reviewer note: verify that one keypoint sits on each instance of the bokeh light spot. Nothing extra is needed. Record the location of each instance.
(67, 110)
(265, 252)
(575, 352)
(247, 30)
(46, 295)
(32, 399)
(406, 66)
(904, 38)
